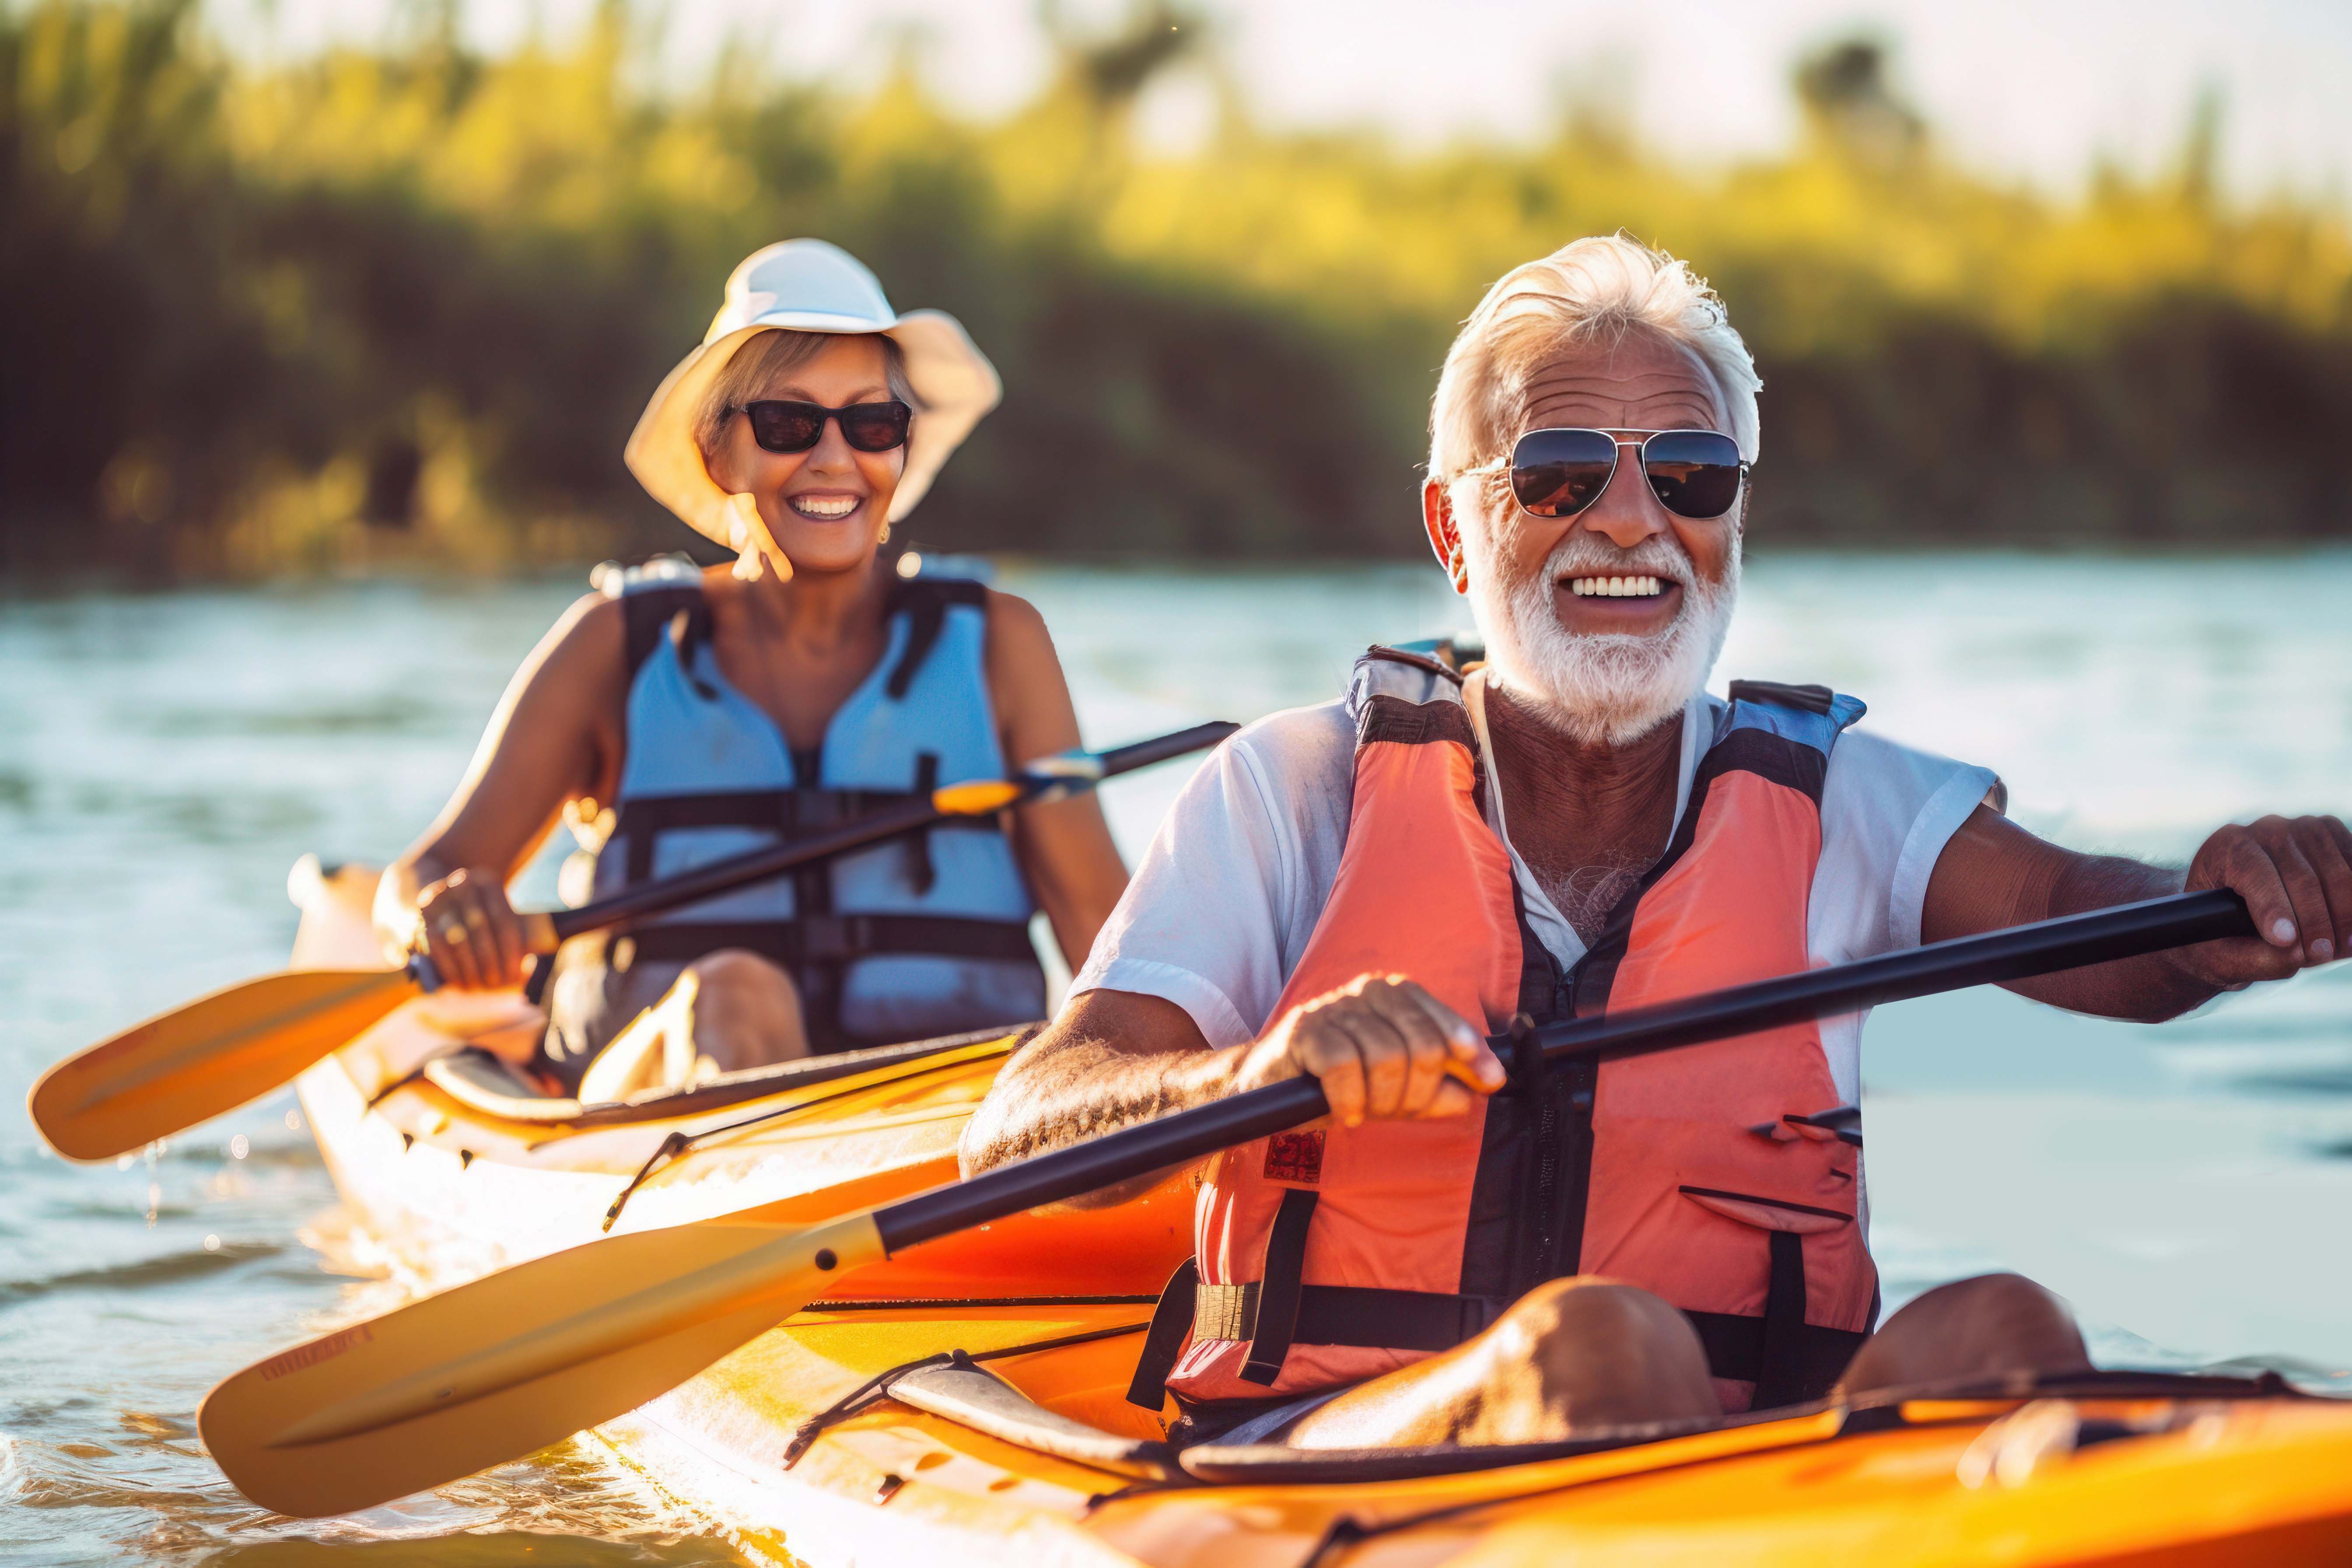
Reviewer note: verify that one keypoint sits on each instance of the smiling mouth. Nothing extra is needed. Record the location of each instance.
(1620, 587)
(825, 509)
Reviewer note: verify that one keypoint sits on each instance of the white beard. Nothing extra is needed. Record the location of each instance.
(1603, 689)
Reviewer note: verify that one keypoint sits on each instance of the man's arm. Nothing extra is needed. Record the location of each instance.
(1113, 1058)
(1382, 1047)
(2295, 875)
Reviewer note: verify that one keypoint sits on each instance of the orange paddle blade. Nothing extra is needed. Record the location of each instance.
(211, 1056)
(502, 1367)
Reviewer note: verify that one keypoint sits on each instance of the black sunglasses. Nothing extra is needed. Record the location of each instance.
(781, 426)
(1693, 473)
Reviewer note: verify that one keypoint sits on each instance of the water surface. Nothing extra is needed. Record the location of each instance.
(163, 759)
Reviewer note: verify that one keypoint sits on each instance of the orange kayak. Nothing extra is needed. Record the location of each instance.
(965, 1402)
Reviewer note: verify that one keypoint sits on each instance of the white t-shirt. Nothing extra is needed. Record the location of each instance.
(1221, 909)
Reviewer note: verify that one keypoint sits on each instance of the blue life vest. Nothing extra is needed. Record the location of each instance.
(923, 936)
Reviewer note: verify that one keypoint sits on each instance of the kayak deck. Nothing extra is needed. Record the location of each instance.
(2107, 1475)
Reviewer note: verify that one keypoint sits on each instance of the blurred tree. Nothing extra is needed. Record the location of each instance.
(409, 300)
(1851, 105)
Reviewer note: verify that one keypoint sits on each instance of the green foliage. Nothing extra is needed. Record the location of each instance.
(409, 301)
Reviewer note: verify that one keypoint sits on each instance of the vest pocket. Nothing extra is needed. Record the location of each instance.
(1767, 1214)
(1793, 1362)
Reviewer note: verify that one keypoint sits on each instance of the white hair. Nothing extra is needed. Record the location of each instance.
(1595, 289)
(1600, 688)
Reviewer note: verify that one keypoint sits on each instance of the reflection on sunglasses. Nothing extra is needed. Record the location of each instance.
(1695, 474)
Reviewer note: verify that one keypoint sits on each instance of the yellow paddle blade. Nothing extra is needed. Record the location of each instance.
(211, 1056)
(500, 1368)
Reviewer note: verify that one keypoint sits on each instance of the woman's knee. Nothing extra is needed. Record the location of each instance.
(741, 1010)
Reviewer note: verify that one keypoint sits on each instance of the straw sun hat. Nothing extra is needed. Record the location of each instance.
(808, 286)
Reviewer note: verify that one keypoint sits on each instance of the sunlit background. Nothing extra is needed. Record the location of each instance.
(306, 285)
(321, 324)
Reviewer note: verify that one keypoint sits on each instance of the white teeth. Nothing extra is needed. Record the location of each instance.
(1615, 587)
(825, 507)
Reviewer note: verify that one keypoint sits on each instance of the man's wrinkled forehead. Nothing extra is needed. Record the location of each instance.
(1640, 382)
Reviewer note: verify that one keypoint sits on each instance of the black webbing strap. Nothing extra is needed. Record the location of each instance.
(1777, 694)
(830, 939)
(1735, 1350)
(795, 813)
(646, 614)
(1172, 1324)
(925, 602)
(921, 872)
(1350, 1315)
(1324, 1315)
(1277, 1296)
(1781, 1377)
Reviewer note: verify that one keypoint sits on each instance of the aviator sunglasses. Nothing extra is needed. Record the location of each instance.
(781, 426)
(1693, 473)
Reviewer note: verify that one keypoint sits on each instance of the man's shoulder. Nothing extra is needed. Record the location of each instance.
(1864, 754)
(1300, 740)
(1298, 765)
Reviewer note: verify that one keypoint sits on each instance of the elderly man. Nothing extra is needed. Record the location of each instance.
(1479, 1251)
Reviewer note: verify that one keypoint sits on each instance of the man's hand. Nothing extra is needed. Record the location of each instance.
(1383, 1048)
(2295, 875)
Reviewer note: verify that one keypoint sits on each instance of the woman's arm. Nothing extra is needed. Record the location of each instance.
(556, 735)
(1064, 846)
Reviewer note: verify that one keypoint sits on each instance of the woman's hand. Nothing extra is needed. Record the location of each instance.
(1383, 1048)
(469, 931)
(2295, 875)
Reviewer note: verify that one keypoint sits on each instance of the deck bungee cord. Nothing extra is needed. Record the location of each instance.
(679, 1142)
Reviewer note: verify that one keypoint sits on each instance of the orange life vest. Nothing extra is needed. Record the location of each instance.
(1711, 1176)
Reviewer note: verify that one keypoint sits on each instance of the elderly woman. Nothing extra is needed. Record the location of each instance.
(682, 716)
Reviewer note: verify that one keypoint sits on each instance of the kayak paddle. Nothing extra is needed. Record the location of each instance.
(502, 1367)
(214, 1054)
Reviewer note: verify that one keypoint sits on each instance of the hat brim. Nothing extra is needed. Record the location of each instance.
(952, 380)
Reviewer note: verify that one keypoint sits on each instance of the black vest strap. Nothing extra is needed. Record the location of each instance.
(1790, 1361)
(646, 614)
(1277, 1297)
(1172, 1324)
(792, 812)
(1324, 1315)
(1736, 1349)
(1806, 698)
(921, 874)
(833, 938)
(925, 601)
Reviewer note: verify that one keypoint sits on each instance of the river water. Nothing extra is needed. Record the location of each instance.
(163, 759)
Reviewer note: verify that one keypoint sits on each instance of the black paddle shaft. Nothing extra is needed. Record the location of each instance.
(2046, 947)
(760, 864)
